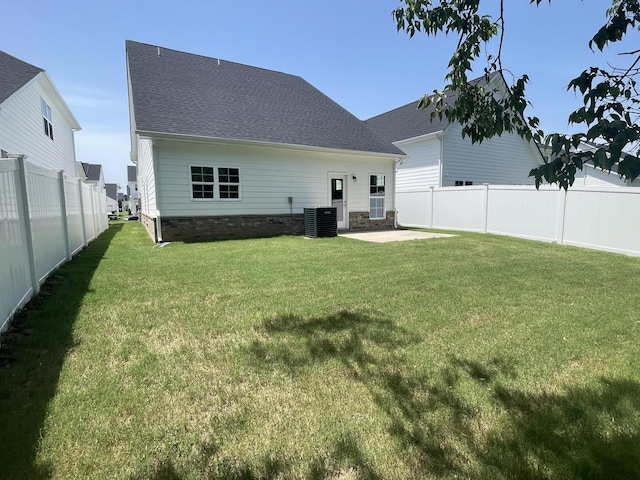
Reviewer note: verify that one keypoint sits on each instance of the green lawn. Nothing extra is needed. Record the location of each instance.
(469, 357)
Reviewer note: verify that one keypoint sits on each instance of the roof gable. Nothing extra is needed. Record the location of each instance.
(93, 171)
(14, 74)
(185, 94)
(409, 121)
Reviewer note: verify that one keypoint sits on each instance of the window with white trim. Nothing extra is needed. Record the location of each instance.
(47, 118)
(215, 183)
(376, 196)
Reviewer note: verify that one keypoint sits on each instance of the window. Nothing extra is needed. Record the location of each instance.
(202, 182)
(210, 183)
(376, 197)
(229, 182)
(47, 118)
(460, 183)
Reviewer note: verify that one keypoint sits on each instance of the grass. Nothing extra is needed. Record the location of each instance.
(469, 357)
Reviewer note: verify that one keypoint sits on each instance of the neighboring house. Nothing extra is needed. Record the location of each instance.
(35, 121)
(591, 176)
(121, 199)
(93, 173)
(132, 188)
(111, 190)
(226, 150)
(438, 156)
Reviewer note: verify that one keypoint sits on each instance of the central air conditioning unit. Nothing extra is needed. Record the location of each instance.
(320, 222)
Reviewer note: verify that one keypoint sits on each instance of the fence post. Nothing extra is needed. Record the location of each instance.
(64, 214)
(26, 216)
(562, 207)
(430, 222)
(485, 206)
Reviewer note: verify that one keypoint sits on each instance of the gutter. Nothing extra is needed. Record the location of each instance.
(263, 144)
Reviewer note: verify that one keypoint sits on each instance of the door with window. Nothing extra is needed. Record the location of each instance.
(339, 199)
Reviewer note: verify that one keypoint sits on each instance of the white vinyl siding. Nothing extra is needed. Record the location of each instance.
(421, 168)
(504, 160)
(22, 130)
(268, 177)
(146, 181)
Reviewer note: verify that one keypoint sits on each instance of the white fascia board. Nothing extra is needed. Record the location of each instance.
(419, 138)
(67, 111)
(262, 144)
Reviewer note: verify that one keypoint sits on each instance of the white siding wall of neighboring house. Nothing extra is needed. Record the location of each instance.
(22, 127)
(268, 176)
(594, 177)
(504, 160)
(146, 177)
(421, 168)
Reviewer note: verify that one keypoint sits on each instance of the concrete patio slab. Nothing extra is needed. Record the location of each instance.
(386, 236)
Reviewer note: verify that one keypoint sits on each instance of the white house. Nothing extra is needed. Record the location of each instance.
(111, 189)
(34, 118)
(226, 150)
(438, 156)
(591, 176)
(132, 188)
(94, 174)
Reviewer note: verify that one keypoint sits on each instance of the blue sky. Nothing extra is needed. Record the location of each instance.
(348, 49)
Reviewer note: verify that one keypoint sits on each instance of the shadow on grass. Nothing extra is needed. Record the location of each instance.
(33, 354)
(462, 419)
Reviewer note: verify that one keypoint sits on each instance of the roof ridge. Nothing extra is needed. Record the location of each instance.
(219, 59)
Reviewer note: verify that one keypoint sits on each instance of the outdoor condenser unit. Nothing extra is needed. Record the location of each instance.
(320, 222)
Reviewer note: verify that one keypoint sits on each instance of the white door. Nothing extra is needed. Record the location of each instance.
(339, 198)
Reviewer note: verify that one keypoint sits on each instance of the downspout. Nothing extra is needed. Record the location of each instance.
(155, 187)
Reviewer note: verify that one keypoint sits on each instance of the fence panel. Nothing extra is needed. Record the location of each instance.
(599, 218)
(15, 276)
(605, 219)
(42, 217)
(74, 214)
(47, 225)
(523, 212)
(414, 209)
(459, 209)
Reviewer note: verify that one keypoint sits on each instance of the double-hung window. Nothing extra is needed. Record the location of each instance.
(376, 197)
(215, 183)
(47, 118)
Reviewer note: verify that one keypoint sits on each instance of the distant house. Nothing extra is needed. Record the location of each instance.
(438, 156)
(111, 190)
(132, 188)
(93, 173)
(35, 121)
(226, 150)
(591, 176)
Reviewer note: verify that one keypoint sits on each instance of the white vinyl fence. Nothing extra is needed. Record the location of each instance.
(599, 218)
(45, 218)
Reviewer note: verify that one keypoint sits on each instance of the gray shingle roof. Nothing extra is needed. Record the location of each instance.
(92, 170)
(111, 190)
(409, 121)
(14, 74)
(185, 94)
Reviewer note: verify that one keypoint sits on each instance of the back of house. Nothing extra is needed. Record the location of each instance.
(225, 150)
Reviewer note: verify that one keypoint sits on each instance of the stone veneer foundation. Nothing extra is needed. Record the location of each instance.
(193, 229)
